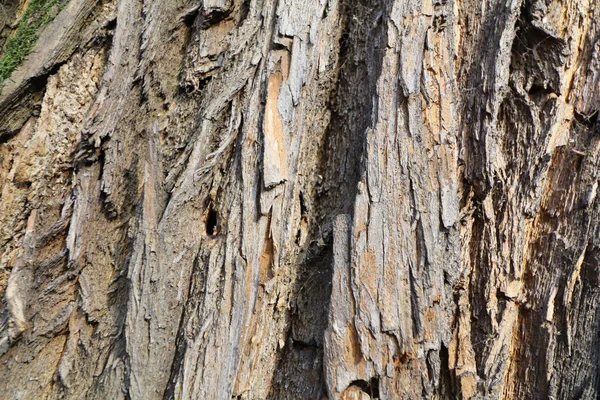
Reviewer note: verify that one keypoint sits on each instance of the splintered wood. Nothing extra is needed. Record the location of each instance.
(302, 199)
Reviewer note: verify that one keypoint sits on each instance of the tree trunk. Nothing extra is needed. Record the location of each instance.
(302, 199)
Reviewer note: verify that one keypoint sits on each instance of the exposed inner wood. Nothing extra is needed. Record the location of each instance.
(302, 199)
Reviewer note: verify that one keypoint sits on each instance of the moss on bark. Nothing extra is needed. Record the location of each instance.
(35, 17)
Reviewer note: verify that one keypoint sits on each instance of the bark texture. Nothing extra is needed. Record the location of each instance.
(302, 199)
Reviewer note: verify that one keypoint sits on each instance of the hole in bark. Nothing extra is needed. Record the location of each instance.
(212, 16)
(371, 388)
(538, 90)
(211, 222)
(189, 18)
(22, 184)
(279, 46)
(6, 135)
(302, 204)
(39, 82)
(111, 25)
(446, 381)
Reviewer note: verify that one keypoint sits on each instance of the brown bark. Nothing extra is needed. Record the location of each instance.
(303, 199)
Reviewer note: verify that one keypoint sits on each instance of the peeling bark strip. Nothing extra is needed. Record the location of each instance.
(302, 199)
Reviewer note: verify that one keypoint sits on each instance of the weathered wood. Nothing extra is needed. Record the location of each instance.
(303, 199)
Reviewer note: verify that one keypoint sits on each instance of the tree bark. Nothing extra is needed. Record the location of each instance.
(302, 199)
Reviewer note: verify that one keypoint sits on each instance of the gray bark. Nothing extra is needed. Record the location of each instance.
(302, 199)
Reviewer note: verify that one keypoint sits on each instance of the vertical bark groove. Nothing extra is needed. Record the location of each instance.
(300, 199)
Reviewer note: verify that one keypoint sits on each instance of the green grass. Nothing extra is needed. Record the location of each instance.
(37, 15)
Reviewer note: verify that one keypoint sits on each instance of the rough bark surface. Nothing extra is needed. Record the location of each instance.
(302, 199)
